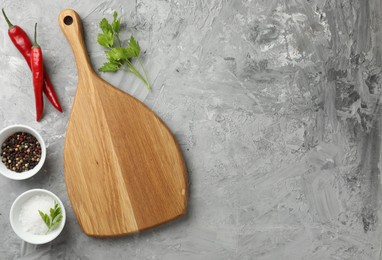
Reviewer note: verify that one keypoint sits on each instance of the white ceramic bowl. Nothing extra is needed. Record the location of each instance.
(17, 226)
(8, 131)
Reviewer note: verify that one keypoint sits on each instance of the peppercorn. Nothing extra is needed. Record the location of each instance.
(20, 152)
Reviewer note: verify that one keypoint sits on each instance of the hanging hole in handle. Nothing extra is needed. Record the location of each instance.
(68, 20)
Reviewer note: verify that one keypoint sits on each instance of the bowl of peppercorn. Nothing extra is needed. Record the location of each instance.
(23, 152)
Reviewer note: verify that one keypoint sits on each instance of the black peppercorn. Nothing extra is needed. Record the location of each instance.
(20, 152)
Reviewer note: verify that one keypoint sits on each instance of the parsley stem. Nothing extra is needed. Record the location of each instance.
(144, 72)
(130, 68)
(134, 70)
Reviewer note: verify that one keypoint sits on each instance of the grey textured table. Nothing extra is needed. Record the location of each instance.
(275, 105)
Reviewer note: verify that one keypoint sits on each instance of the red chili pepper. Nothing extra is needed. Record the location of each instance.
(21, 40)
(37, 65)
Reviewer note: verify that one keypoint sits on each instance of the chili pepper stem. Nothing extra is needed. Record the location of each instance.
(6, 19)
(35, 45)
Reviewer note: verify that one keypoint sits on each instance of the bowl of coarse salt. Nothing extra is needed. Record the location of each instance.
(37, 216)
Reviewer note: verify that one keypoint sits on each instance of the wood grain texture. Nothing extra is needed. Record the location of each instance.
(124, 171)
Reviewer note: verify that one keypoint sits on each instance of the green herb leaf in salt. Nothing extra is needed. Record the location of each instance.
(53, 219)
(45, 217)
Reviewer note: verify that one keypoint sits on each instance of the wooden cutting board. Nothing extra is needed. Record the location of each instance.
(124, 171)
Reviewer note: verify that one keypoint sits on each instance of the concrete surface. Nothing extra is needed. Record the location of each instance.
(275, 105)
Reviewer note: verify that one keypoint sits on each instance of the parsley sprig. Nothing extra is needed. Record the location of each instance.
(120, 57)
(54, 218)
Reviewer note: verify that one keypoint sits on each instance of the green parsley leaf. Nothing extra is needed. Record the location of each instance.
(54, 219)
(55, 212)
(129, 53)
(134, 45)
(116, 54)
(45, 217)
(56, 222)
(106, 40)
(116, 23)
(110, 67)
(105, 26)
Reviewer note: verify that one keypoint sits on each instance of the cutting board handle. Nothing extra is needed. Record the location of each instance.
(71, 26)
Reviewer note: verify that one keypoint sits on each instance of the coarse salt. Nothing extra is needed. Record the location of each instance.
(30, 218)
